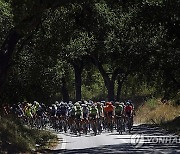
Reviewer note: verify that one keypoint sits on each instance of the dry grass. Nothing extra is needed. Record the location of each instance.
(153, 111)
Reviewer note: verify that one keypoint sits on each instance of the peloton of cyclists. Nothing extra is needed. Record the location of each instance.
(101, 114)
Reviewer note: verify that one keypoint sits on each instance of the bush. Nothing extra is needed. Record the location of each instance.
(18, 138)
(153, 111)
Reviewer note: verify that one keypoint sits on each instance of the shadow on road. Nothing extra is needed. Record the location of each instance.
(148, 129)
(120, 147)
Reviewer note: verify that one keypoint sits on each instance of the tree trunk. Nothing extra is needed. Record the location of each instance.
(64, 90)
(6, 54)
(78, 68)
(110, 89)
(119, 89)
(109, 82)
(78, 82)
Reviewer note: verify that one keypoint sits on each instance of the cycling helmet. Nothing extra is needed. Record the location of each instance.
(127, 103)
(58, 105)
(122, 103)
(86, 102)
(29, 104)
(70, 104)
(36, 103)
(84, 105)
(107, 103)
(89, 104)
(80, 102)
(93, 106)
(77, 104)
(54, 105)
(117, 103)
(90, 101)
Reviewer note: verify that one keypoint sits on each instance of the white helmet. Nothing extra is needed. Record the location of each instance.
(77, 104)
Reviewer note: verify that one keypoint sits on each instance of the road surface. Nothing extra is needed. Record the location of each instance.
(143, 139)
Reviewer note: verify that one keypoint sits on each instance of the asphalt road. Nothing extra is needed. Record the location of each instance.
(143, 139)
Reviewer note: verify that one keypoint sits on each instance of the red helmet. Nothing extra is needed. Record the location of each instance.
(108, 103)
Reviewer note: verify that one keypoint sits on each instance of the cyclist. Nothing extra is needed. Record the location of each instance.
(63, 115)
(35, 107)
(20, 112)
(109, 110)
(131, 103)
(71, 115)
(53, 112)
(129, 116)
(28, 110)
(71, 111)
(119, 115)
(64, 109)
(119, 108)
(100, 110)
(100, 115)
(93, 115)
(93, 112)
(109, 115)
(85, 113)
(6, 109)
(128, 109)
(78, 117)
(28, 114)
(78, 110)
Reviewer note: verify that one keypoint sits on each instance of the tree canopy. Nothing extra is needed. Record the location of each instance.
(91, 49)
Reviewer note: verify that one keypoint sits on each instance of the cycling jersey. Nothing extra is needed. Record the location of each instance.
(78, 110)
(100, 111)
(128, 109)
(72, 112)
(28, 112)
(40, 111)
(109, 108)
(94, 111)
(53, 111)
(85, 111)
(64, 110)
(119, 109)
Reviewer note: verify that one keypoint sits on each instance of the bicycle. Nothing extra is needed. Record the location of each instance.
(120, 124)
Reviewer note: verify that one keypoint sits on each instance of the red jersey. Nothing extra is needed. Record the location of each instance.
(128, 108)
(109, 108)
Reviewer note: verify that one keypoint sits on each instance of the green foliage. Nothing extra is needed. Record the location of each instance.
(137, 85)
(93, 85)
(15, 137)
(6, 21)
(140, 37)
(152, 103)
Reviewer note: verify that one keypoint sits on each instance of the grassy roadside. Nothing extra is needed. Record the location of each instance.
(165, 115)
(17, 138)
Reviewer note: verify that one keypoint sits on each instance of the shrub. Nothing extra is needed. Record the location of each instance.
(18, 138)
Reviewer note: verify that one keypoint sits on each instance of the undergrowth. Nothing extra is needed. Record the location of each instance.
(153, 111)
(15, 137)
